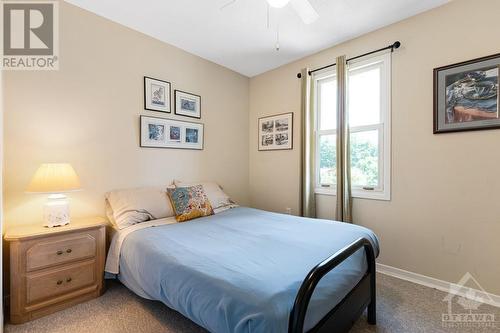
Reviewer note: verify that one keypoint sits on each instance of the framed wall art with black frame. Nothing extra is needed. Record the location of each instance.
(466, 95)
(187, 104)
(168, 133)
(276, 132)
(156, 95)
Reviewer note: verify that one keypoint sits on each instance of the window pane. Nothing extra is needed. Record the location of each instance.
(364, 158)
(328, 160)
(328, 103)
(364, 97)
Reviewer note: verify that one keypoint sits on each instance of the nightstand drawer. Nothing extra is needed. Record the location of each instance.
(59, 281)
(58, 250)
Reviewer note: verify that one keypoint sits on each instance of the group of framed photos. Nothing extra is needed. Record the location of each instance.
(169, 133)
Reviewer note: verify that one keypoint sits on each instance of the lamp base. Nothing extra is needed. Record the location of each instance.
(56, 211)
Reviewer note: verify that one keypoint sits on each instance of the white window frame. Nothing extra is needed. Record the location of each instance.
(383, 191)
(326, 75)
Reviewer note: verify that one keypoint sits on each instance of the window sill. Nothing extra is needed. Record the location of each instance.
(325, 191)
(357, 193)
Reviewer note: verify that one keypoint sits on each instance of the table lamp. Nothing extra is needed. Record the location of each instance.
(55, 179)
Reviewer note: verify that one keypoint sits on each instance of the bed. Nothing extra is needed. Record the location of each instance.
(247, 270)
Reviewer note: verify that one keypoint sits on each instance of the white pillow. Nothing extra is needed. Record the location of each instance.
(219, 200)
(131, 206)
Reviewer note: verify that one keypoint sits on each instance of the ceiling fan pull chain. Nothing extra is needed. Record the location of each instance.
(268, 16)
(278, 38)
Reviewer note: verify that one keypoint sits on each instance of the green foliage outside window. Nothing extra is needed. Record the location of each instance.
(364, 162)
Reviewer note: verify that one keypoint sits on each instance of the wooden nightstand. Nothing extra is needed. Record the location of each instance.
(54, 268)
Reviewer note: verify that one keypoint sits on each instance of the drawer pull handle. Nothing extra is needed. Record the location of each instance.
(59, 282)
(59, 252)
(68, 251)
(68, 280)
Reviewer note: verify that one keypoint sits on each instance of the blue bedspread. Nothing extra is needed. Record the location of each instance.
(240, 270)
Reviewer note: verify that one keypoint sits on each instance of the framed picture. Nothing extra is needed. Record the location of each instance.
(187, 104)
(156, 95)
(168, 133)
(466, 95)
(276, 132)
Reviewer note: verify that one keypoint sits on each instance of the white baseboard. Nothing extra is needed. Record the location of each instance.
(480, 295)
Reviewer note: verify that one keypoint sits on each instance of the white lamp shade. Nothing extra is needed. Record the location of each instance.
(278, 3)
(54, 178)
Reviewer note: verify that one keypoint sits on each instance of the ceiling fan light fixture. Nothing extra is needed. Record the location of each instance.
(278, 3)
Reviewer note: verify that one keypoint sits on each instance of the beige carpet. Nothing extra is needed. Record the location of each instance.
(402, 307)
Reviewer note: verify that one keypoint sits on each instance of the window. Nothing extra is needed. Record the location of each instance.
(368, 107)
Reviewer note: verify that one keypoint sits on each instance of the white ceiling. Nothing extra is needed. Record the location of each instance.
(238, 38)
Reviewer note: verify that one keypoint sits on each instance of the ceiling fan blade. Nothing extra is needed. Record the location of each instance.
(227, 4)
(304, 9)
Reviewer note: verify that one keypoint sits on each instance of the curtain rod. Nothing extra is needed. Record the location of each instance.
(393, 46)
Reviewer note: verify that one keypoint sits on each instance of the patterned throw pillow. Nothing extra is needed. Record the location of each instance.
(189, 202)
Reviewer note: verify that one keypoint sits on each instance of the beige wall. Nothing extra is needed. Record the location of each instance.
(444, 217)
(87, 113)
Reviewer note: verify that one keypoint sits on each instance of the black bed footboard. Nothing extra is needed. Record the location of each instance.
(340, 318)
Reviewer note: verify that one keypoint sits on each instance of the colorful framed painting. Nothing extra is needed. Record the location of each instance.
(167, 133)
(187, 104)
(156, 95)
(466, 95)
(276, 132)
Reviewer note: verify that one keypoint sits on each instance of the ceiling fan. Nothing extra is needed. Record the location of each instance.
(303, 8)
